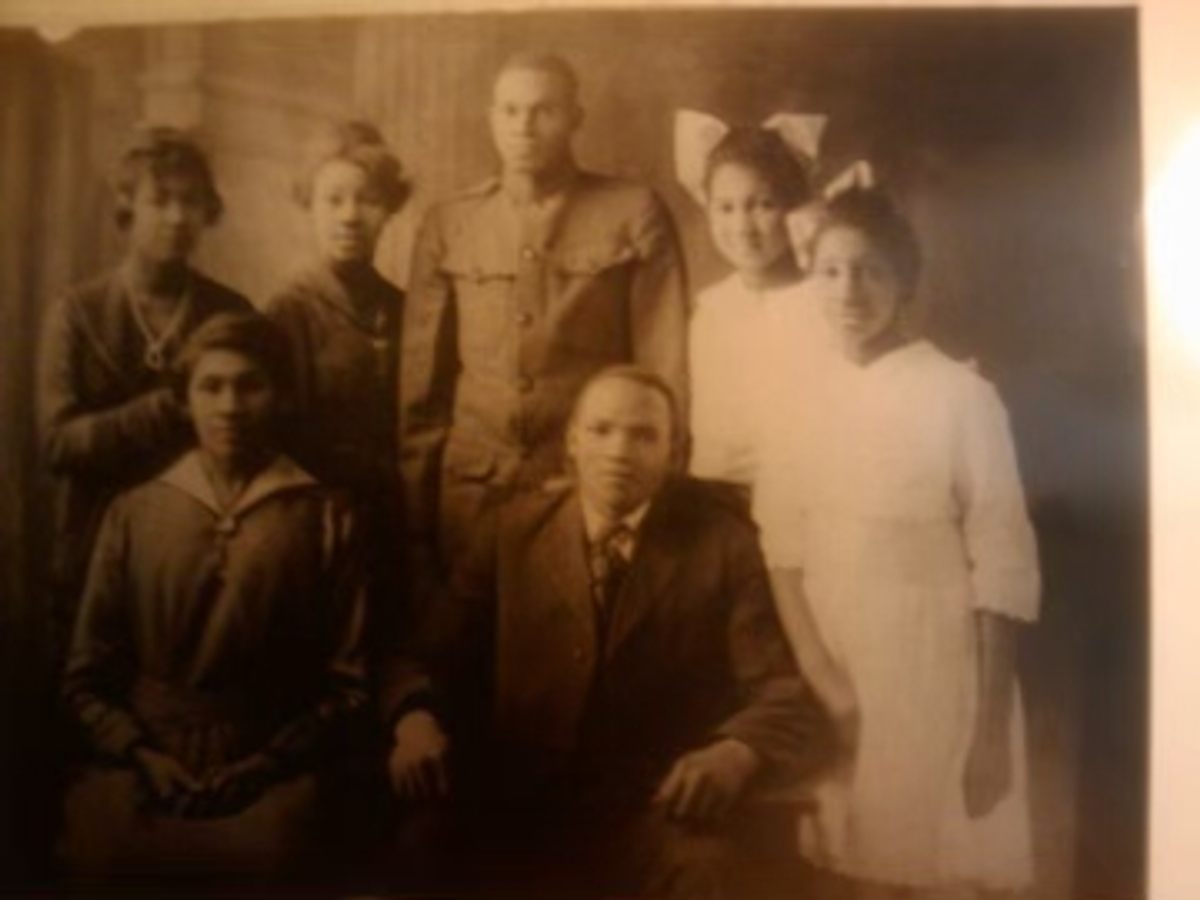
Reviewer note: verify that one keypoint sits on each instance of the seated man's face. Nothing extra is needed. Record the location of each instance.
(620, 443)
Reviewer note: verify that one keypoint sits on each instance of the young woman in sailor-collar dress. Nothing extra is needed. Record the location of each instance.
(216, 661)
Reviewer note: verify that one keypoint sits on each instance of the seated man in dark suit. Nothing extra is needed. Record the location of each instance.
(608, 678)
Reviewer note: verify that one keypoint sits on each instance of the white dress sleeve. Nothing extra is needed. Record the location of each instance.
(1000, 543)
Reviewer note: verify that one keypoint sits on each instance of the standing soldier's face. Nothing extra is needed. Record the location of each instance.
(620, 442)
(534, 116)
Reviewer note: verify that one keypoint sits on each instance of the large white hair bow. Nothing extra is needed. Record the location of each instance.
(697, 133)
(802, 223)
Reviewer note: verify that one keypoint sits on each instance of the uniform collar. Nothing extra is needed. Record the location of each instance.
(519, 193)
(281, 474)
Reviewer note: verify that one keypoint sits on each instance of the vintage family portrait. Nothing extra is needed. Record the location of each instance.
(575, 453)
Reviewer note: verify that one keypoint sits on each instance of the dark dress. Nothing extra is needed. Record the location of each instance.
(107, 419)
(344, 356)
(344, 360)
(344, 347)
(213, 634)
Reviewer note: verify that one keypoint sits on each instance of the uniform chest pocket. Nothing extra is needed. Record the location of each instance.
(483, 276)
(479, 264)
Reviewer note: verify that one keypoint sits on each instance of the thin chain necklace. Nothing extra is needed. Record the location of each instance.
(155, 356)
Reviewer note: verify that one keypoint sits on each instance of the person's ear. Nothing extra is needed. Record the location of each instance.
(680, 448)
(570, 441)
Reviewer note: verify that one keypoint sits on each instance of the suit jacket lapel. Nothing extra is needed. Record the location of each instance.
(564, 555)
(656, 561)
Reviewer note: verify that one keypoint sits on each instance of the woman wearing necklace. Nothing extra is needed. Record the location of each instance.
(107, 417)
(216, 662)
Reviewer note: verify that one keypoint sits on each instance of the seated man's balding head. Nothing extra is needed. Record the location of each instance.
(623, 438)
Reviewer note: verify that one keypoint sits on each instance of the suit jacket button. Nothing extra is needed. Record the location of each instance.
(577, 654)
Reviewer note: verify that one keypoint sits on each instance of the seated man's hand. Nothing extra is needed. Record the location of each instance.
(418, 763)
(704, 784)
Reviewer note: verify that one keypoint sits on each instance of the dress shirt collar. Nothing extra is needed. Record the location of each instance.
(595, 522)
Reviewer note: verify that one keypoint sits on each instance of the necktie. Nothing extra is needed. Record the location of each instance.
(610, 564)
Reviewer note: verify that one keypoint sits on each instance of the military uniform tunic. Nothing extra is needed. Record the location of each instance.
(512, 306)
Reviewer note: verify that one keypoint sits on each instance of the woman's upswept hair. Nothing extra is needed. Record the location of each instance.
(361, 144)
(762, 150)
(247, 333)
(162, 151)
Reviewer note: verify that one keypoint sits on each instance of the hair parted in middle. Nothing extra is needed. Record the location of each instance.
(764, 151)
(162, 151)
(250, 334)
(873, 212)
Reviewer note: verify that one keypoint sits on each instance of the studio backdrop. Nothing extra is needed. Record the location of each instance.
(1010, 137)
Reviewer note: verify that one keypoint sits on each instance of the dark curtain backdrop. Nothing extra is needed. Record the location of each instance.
(1011, 136)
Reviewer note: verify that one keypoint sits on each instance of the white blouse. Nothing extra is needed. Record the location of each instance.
(750, 352)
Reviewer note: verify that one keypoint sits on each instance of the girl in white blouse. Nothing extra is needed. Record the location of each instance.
(749, 329)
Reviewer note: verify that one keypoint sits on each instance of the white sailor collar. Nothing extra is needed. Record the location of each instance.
(281, 474)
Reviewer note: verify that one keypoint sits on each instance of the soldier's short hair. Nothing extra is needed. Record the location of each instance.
(550, 63)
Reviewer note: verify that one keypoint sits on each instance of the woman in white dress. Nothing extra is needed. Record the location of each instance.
(752, 326)
(903, 559)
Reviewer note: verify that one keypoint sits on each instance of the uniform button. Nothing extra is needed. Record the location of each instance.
(528, 253)
(525, 384)
(524, 319)
(577, 654)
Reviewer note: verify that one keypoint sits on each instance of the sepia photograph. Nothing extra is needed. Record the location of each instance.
(575, 453)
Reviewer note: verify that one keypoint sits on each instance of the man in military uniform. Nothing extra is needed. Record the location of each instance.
(522, 288)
